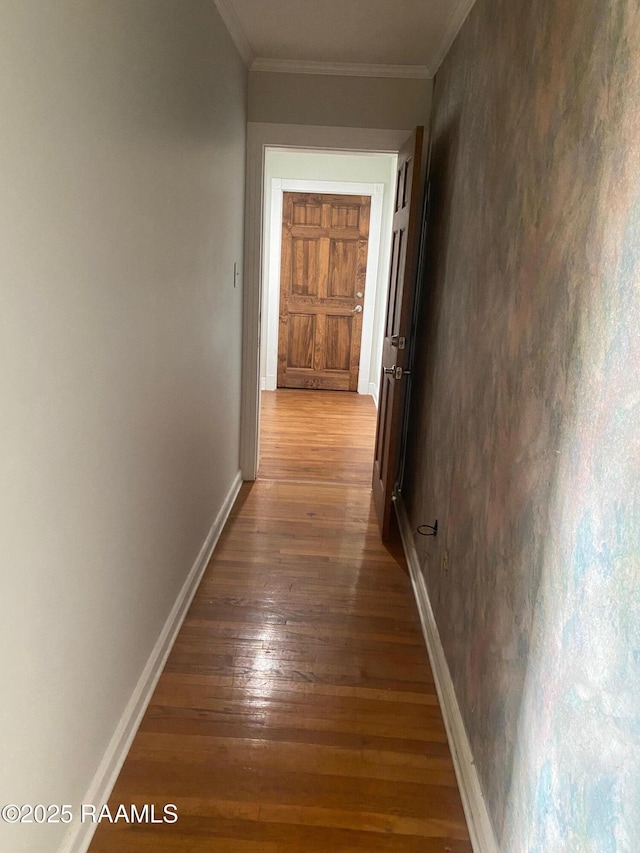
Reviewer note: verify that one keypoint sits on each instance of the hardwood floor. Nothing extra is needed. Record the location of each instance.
(323, 436)
(297, 711)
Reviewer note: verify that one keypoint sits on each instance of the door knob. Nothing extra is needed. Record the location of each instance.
(357, 309)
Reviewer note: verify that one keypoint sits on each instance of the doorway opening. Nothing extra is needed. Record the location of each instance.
(301, 139)
(326, 242)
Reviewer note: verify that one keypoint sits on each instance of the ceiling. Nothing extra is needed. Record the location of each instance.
(386, 38)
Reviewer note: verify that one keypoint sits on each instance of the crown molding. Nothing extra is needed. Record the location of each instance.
(340, 69)
(232, 22)
(236, 31)
(454, 24)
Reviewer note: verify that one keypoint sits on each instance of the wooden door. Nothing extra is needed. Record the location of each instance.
(322, 281)
(400, 304)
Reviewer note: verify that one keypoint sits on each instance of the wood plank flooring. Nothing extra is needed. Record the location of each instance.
(297, 711)
(329, 438)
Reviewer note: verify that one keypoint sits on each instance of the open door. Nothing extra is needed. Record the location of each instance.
(405, 249)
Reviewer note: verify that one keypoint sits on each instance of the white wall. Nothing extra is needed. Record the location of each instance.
(318, 99)
(329, 166)
(122, 151)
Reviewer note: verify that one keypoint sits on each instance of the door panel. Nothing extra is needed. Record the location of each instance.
(345, 216)
(343, 268)
(305, 266)
(307, 214)
(400, 302)
(337, 342)
(322, 284)
(301, 333)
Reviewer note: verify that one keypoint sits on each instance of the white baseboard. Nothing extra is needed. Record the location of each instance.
(80, 834)
(373, 390)
(269, 383)
(479, 823)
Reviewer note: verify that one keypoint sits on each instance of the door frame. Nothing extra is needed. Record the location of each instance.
(271, 273)
(261, 136)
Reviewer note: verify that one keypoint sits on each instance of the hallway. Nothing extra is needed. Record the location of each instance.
(297, 712)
